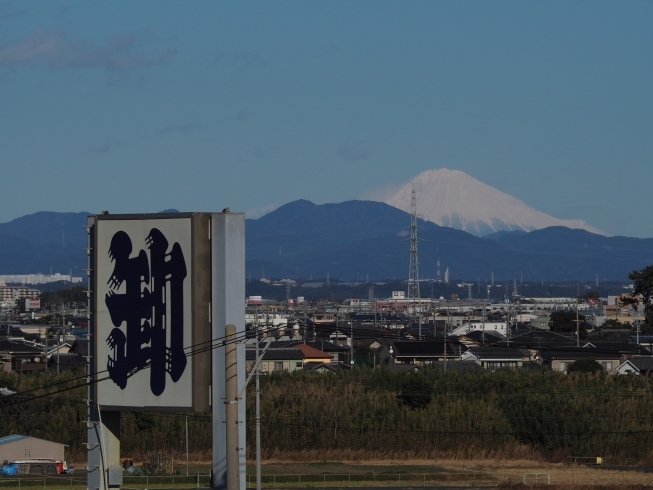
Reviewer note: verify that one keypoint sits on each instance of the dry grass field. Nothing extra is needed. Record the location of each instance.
(507, 473)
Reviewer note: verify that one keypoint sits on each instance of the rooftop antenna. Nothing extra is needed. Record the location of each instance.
(413, 271)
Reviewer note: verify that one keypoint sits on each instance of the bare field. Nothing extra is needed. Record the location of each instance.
(504, 471)
(508, 474)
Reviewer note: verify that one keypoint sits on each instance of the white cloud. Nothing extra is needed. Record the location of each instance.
(55, 50)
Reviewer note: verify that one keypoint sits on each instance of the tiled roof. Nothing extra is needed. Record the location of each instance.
(578, 353)
(80, 346)
(298, 352)
(623, 347)
(488, 353)
(426, 348)
(276, 355)
(542, 338)
(18, 347)
(312, 352)
(477, 336)
(642, 363)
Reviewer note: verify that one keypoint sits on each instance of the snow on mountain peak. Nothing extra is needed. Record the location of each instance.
(455, 199)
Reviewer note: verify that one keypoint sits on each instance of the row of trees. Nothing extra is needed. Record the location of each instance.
(369, 413)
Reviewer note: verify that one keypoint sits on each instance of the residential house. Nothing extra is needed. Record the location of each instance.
(457, 366)
(561, 359)
(336, 352)
(625, 349)
(20, 356)
(476, 337)
(492, 357)
(425, 351)
(285, 358)
(639, 365)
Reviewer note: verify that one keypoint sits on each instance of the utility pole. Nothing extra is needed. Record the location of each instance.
(45, 348)
(186, 445)
(304, 325)
(483, 320)
(508, 328)
(577, 326)
(337, 324)
(258, 412)
(351, 343)
(231, 402)
(444, 338)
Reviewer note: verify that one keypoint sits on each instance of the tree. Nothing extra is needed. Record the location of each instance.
(612, 323)
(416, 391)
(585, 366)
(643, 285)
(588, 295)
(565, 321)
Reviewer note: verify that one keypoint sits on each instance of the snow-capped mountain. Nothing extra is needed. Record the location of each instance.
(455, 199)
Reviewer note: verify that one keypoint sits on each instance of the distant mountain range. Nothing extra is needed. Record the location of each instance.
(455, 199)
(356, 239)
(37, 242)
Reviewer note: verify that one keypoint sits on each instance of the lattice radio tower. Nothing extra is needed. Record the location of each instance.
(413, 268)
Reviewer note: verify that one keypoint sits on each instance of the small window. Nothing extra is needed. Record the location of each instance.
(300, 363)
(278, 366)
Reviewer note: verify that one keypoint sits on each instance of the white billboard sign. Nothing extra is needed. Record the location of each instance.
(144, 312)
(32, 303)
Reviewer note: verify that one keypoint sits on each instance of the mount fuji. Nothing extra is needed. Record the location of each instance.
(455, 199)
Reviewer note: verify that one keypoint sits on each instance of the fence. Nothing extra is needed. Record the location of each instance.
(41, 483)
(537, 478)
(128, 481)
(358, 479)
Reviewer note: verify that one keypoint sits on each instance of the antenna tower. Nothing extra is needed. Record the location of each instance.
(413, 271)
(438, 277)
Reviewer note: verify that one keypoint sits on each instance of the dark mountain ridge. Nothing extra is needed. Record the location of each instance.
(354, 240)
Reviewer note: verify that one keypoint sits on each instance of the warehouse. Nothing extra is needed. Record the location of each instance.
(17, 446)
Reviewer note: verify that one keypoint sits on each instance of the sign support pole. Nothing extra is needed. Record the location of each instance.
(228, 298)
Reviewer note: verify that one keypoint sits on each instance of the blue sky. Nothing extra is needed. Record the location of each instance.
(143, 106)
